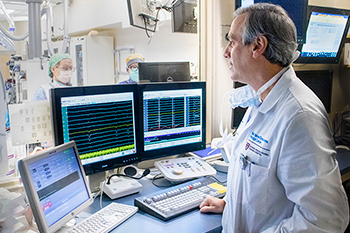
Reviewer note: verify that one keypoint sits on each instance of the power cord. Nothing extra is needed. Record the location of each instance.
(145, 173)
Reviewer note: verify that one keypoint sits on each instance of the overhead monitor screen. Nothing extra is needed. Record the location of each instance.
(324, 35)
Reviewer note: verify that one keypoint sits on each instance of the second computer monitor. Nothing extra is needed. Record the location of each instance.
(173, 118)
(101, 120)
(164, 72)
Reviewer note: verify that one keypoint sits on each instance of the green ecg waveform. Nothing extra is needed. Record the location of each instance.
(107, 151)
(99, 129)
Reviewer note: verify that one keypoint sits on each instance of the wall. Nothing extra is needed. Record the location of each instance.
(111, 18)
(215, 21)
(163, 46)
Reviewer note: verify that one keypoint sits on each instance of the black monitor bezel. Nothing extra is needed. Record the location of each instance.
(326, 60)
(146, 69)
(324, 77)
(158, 153)
(301, 35)
(55, 100)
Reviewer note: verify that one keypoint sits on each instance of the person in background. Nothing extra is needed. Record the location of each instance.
(283, 175)
(60, 72)
(132, 67)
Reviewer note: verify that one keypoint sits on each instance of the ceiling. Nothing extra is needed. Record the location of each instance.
(18, 9)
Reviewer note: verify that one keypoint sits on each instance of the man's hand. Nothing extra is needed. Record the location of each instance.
(212, 205)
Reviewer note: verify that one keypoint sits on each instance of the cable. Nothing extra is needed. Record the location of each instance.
(157, 178)
(145, 173)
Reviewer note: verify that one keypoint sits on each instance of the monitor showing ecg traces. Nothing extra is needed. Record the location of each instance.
(101, 120)
(56, 186)
(173, 118)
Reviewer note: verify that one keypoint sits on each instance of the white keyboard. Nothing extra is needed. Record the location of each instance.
(105, 219)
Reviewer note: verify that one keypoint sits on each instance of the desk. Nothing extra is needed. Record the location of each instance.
(192, 222)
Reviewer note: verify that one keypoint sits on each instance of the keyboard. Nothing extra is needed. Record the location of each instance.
(105, 219)
(172, 202)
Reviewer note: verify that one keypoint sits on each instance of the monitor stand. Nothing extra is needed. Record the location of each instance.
(150, 163)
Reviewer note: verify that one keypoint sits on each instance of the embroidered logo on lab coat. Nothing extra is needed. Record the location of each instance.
(257, 138)
(247, 146)
(257, 150)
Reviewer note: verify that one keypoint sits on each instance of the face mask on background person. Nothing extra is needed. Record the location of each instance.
(65, 76)
(134, 74)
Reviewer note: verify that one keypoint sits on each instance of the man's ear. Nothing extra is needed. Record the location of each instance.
(259, 46)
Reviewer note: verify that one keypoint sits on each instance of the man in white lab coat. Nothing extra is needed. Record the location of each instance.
(283, 176)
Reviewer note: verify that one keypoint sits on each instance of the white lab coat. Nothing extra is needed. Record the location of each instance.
(287, 179)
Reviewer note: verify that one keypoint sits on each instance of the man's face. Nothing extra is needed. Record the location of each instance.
(238, 55)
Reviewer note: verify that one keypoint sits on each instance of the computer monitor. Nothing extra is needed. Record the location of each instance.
(102, 122)
(164, 72)
(56, 187)
(320, 82)
(296, 9)
(174, 119)
(325, 36)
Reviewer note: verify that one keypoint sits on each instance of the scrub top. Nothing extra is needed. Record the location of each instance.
(283, 175)
(42, 93)
(128, 81)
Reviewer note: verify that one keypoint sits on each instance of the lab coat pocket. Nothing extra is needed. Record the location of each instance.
(255, 188)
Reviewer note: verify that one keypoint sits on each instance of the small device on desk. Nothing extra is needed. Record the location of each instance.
(120, 187)
(172, 202)
(181, 169)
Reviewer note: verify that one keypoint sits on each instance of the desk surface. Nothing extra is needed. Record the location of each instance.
(192, 222)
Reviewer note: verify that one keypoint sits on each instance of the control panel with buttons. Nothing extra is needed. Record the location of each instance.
(185, 168)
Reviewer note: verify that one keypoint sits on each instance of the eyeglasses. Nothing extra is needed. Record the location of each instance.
(66, 68)
(133, 66)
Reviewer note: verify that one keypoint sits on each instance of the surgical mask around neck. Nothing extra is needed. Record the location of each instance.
(65, 76)
(134, 74)
(246, 96)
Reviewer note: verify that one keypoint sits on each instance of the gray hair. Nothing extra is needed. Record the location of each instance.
(271, 21)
